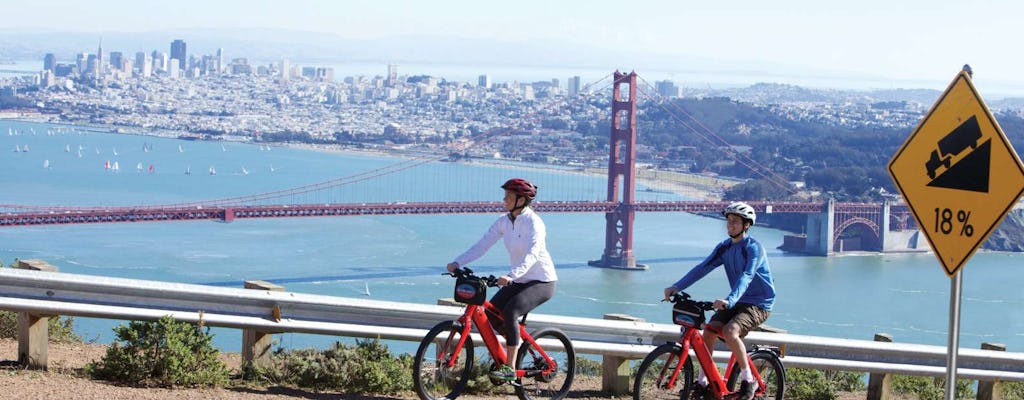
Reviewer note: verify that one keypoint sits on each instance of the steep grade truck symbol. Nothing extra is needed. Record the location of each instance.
(964, 136)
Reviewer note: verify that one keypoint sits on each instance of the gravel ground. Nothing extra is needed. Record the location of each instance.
(65, 380)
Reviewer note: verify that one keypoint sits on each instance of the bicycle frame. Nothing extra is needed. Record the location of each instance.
(477, 315)
(692, 337)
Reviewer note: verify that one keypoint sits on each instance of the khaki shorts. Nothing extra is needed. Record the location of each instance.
(745, 315)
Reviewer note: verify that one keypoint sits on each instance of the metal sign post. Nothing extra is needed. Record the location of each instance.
(954, 333)
(959, 176)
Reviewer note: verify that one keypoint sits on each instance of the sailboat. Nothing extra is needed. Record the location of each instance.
(188, 170)
(222, 148)
(46, 164)
(145, 147)
(106, 165)
(116, 167)
(213, 171)
(272, 169)
(67, 148)
(138, 167)
(245, 171)
(151, 170)
(79, 153)
(180, 150)
(17, 148)
(24, 149)
(115, 151)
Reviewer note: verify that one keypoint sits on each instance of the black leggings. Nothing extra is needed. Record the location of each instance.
(518, 299)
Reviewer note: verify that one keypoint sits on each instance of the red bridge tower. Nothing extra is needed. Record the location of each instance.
(618, 248)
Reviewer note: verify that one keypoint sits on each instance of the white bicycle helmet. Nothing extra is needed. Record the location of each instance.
(742, 209)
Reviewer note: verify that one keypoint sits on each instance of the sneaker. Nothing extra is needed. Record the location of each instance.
(697, 391)
(747, 390)
(505, 373)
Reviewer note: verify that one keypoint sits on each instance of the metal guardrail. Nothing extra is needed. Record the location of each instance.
(54, 293)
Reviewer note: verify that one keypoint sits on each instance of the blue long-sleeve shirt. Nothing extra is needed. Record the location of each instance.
(746, 266)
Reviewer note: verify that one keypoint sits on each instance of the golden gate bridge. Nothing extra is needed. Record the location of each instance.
(827, 221)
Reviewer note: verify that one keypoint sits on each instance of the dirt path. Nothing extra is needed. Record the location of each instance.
(65, 380)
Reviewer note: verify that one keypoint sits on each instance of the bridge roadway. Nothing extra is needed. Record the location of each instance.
(85, 215)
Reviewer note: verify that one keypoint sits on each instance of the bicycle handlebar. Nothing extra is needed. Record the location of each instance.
(466, 273)
(682, 296)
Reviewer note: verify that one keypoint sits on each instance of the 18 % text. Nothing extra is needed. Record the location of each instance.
(944, 221)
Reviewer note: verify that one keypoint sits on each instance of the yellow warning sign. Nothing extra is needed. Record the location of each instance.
(958, 174)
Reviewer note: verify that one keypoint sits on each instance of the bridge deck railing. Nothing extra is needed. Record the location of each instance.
(39, 294)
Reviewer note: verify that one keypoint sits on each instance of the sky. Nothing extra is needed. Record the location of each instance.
(922, 41)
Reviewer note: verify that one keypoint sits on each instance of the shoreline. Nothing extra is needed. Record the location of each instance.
(696, 186)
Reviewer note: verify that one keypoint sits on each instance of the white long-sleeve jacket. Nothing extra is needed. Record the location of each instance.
(525, 240)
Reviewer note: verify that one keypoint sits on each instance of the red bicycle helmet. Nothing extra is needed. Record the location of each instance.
(521, 187)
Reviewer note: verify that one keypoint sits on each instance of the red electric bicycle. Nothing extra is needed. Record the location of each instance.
(444, 361)
(667, 372)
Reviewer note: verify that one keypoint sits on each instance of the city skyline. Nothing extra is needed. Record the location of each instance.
(921, 43)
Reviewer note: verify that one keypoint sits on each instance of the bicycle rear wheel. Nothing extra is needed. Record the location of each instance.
(652, 378)
(769, 366)
(431, 376)
(555, 384)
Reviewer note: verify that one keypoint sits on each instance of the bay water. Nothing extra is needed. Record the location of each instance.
(400, 258)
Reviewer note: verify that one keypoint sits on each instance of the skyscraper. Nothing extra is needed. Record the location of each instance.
(667, 88)
(574, 86)
(484, 81)
(49, 62)
(392, 75)
(220, 61)
(179, 52)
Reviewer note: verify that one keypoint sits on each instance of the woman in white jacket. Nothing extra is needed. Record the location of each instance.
(532, 270)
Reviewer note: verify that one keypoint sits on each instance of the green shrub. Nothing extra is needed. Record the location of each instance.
(846, 381)
(367, 367)
(811, 384)
(926, 388)
(1013, 390)
(161, 353)
(588, 367)
(60, 329)
(808, 384)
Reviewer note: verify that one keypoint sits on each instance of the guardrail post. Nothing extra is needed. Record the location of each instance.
(991, 390)
(256, 344)
(880, 384)
(615, 369)
(33, 329)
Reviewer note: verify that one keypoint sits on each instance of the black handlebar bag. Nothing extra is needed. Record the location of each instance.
(688, 313)
(470, 291)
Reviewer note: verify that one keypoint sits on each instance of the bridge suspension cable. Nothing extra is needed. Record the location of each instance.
(715, 140)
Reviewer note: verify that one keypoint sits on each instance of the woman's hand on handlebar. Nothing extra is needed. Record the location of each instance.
(504, 280)
(669, 291)
(721, 304)
(452, 266)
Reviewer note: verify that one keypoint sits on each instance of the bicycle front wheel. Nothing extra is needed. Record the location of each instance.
(769, 366)
(554, 384)
(432, 376)
(654, 377)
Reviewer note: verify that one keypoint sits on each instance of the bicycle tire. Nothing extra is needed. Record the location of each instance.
(772, 372)
(549, 386)
(433, 382)
(654, 371)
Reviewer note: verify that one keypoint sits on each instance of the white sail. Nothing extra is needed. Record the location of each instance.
(245, 171)
(138, 167)
(115, 151)
(213, 171)
(67, 148)
(116, 167)
(180, 150)
(46, 164)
